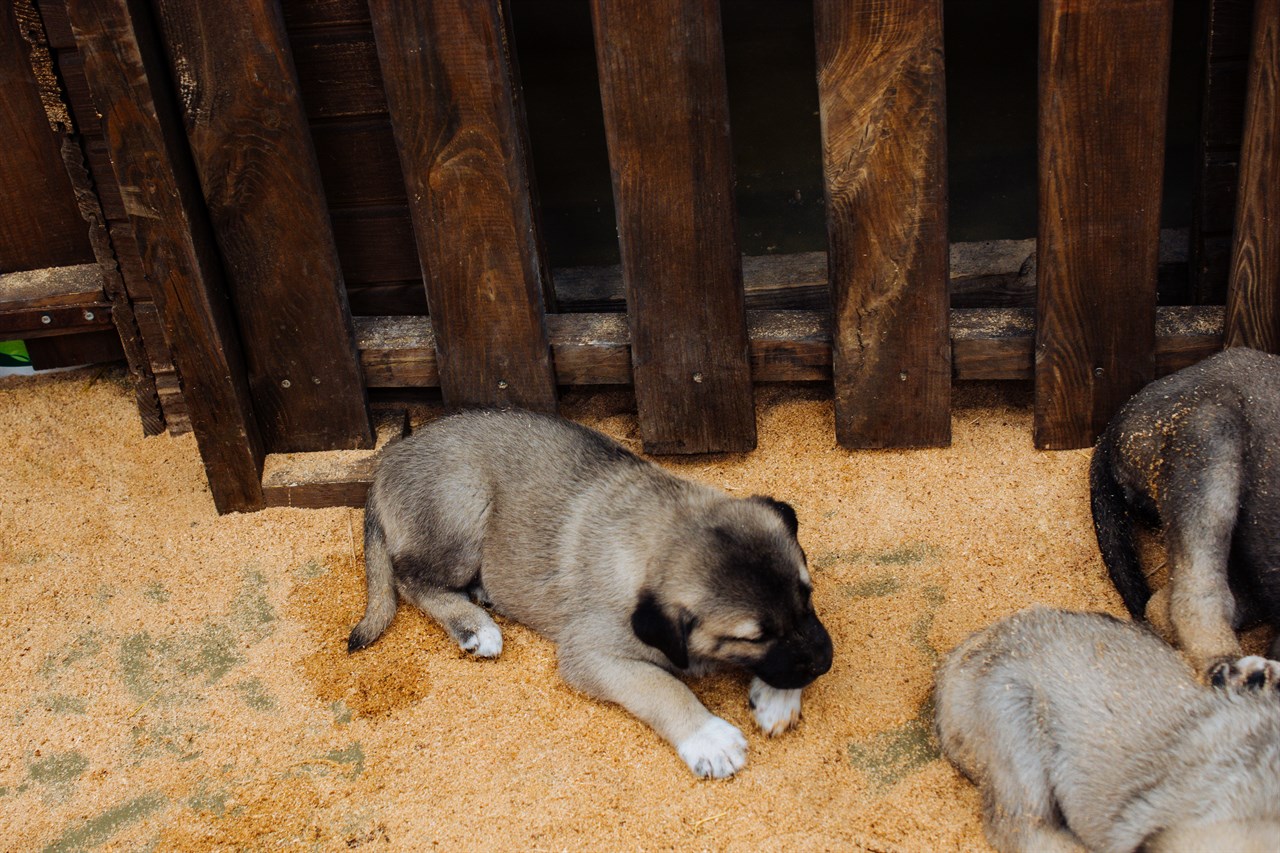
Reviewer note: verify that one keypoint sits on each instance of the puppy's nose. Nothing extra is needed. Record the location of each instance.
(820, 643)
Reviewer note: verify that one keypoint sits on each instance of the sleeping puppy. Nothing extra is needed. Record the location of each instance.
(1083, 730)
(1197, 454)
(636, 575)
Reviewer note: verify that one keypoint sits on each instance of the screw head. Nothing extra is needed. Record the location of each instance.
(502, 383)
(697, 377)
(88, 315)
(46, 319)
(285, 383)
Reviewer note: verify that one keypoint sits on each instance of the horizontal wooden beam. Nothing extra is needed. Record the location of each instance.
(51, 286)
(785, 346)
(329, 477)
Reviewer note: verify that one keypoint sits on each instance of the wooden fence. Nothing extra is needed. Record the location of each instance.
(258, 175)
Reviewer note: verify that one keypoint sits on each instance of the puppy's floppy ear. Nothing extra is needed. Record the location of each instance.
(655, 627)
(782, 508)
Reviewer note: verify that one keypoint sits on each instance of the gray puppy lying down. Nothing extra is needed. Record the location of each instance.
(636, 575)
(1083, 730)
(1197, 454)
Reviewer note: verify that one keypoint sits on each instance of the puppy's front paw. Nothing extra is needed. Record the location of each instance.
(483, 642)
(775, 710)
(1248, 673)
(716, 749)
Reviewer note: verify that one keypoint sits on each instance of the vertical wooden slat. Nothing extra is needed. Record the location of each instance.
(157, 183)
(238, 93)
(40, 225)
(882, 98)
(459, 128)
(1103, 90)
(662, 84)
(1253, 297)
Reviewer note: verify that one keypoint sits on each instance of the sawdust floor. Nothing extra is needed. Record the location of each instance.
(176, 680)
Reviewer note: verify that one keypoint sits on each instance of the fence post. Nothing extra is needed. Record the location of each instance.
(1104, 79)
(460, 131)
(238, 93)
(882, 102)
(1253, 294)
(152, 167)
(662, 85)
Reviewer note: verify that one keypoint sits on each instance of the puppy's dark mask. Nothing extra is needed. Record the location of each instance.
(654, 626)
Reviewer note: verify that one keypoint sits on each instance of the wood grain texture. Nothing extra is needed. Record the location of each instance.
(1226, 44)
(786, 345)
(40, 225)
(459, 128)
(252, 150)
(1253, 293)
(160, 193)
(662, 85)
(881, 94)
(1103, 90)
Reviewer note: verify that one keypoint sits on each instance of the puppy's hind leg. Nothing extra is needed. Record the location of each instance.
(465, 621)
(1198, 510)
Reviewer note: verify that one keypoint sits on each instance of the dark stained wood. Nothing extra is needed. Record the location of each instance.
(249, 139)
(49, 287)
(24, 323)
(358, 163)
(376, 244)
(53, 13)
(40, 225)
(881, 91)
(1103, 86)
(1253, 295)
(306, 14)
(338, 73)
(162, 198)
(662, 84)
(786, 346)
(73, 350)
(79, 97)
(1227, 29)
(460, 132)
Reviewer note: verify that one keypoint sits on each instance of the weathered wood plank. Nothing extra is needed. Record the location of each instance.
(252, 151)
(459, 129)
(786, 346)
(51, 286)
(1103, 86)
(338, 73)
(881, 92)
(26, 323)
(1253, 293)
(40, 225)
(672, 172)
(332, 478)
(73, 350)
(176, 248)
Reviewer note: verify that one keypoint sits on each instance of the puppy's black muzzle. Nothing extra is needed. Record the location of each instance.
(797, 660)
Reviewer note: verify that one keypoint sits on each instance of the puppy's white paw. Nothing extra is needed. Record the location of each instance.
(717, 749)
(484, 642)
(775, 710)
(1247, 673)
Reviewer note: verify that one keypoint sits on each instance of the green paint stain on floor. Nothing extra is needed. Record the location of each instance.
(162, 670)
(255, 695)
(312, 569)
(210, 802)
(341, 713)
(60, 703)
(933, 598)
(910, 554)
(162, 739)
(156, 592)
(352, 755)
(97, 830)
(84, 646)
(874, 587)
(60, 768)
(251, 611)
(889, 757)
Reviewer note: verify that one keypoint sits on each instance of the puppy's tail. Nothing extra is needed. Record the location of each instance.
(380, 582)
(1114, 528)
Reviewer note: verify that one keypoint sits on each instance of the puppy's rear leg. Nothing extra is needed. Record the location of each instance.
(709, 745)
(1198, 511)
(466, 622)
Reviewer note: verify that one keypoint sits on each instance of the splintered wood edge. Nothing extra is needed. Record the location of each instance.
(332, 477)
(786, 346)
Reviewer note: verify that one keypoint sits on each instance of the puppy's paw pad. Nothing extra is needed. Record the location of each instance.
(775, 710)
(1247, 673)
(484, 642)
(716, 750)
